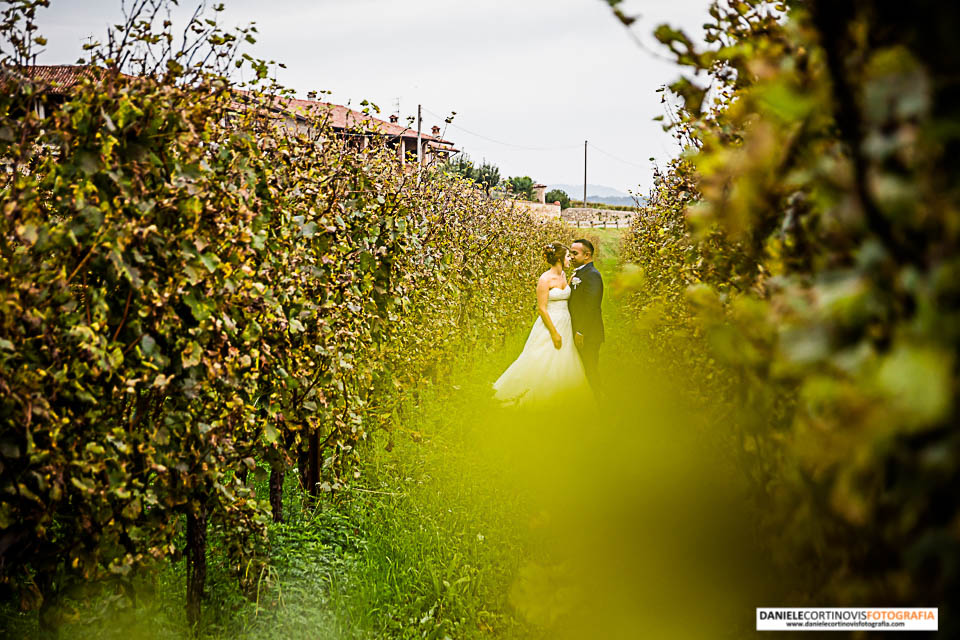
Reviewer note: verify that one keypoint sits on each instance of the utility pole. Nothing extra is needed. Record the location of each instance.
(584, 173)
(419, 143)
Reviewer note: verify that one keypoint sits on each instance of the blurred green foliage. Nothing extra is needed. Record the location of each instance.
(798, 262)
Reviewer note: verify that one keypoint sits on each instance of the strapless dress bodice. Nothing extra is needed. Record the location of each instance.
(557, 294)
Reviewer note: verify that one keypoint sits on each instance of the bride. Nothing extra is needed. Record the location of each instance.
(549, 365)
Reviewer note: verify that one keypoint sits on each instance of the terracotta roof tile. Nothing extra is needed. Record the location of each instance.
(63, 77)
(344, 118)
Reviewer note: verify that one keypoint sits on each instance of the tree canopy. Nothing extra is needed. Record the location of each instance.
(521, 187)
(558, 195)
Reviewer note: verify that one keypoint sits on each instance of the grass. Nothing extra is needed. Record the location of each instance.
(470, 522)
(426, 543)
(466, 522)
(431, 536)
(447, 531)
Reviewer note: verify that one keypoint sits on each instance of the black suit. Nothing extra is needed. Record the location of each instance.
(586, 317)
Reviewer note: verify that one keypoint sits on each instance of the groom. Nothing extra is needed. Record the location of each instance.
(585, 307)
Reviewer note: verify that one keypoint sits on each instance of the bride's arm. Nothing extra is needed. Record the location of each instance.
(543, 294)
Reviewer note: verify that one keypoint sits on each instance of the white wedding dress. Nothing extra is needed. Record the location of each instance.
(542, 372)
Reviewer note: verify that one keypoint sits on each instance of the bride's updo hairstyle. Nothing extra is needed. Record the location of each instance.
(554, 253)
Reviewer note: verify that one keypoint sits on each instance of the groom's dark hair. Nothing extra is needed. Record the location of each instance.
(586, 243)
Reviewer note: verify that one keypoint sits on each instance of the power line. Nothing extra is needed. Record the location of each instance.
(500, 142)
(606, 153)
(525, 148)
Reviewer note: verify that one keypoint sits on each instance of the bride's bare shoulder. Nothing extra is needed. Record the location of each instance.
(549, 280)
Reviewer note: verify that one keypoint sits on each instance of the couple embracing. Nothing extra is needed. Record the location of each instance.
(562, 351)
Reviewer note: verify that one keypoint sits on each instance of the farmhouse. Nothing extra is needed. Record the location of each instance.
(363, 127)
(293, 113)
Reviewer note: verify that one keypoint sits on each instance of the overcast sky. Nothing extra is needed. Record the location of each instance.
(530, 80)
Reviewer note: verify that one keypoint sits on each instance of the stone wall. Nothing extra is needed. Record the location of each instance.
(546, 211)
(578, 216)
(589, 217)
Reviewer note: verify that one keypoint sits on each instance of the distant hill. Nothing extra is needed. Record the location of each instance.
(596, 193)
(625, 201)
(599, 190)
